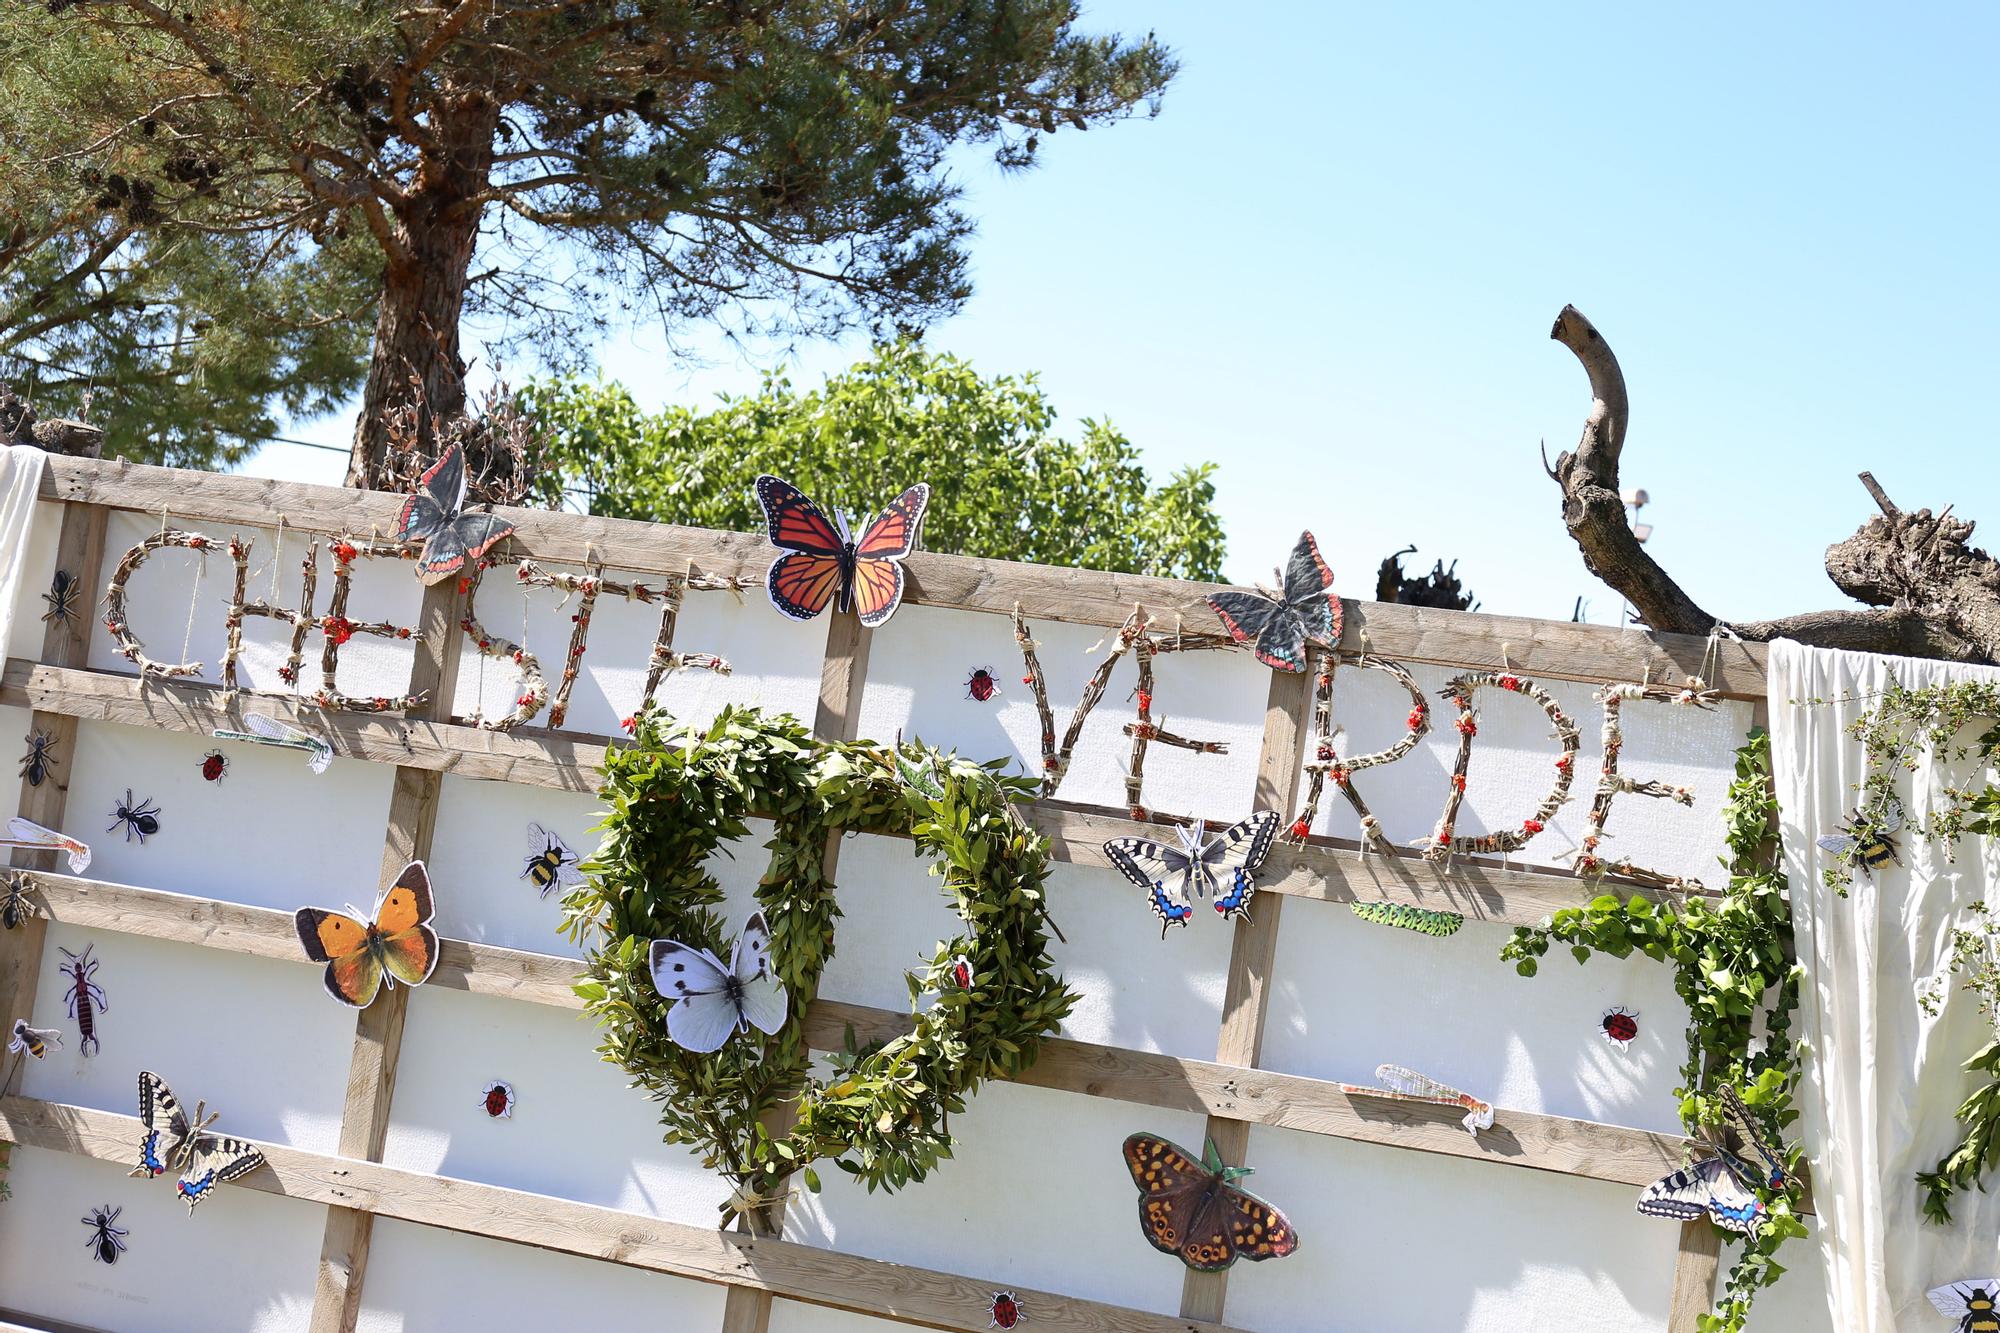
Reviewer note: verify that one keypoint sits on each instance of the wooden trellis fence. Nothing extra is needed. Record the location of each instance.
(1231, 1091)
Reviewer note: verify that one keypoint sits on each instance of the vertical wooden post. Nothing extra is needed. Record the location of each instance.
(378, 1029)
(1700, 1256)
(843, 675)
(80, 552)
(1247, 997)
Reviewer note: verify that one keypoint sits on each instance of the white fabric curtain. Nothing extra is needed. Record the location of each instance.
(20, 479)
(1881, 1079)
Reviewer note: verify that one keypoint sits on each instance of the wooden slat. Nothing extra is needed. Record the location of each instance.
(1695, 1265)
(1330, 870)
(378, 1029)
(1284, 1101)
(886, 1290)
(843, 676)
(79, 552)
(1547, 648)
(1246, 998)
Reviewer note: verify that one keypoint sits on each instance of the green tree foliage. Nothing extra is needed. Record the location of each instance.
(768, 166)
(1003, 485)
(182, 346)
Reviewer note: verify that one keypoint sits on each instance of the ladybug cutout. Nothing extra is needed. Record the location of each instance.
(498, 1100)
(1620, 1025)
(981, 685)
(1006, 1312)
(214, 766)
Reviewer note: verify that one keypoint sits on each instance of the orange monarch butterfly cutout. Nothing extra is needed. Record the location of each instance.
(824, 563)
(398, 944)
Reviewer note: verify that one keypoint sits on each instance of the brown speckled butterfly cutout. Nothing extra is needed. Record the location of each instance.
(1191, 1210)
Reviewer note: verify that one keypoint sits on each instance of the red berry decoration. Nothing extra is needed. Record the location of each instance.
(1006, 1312)
(961, 973)
(981, 685)
(214, 765)
(1620, 1025)
(498, 1099)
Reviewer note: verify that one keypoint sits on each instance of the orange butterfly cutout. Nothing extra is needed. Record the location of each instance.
(826, 565)
(399, 944)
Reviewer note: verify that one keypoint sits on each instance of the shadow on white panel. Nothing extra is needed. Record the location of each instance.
(38, 567)
(1135, 989)
(423, 1278)
(920, 661)
(577, 1131)
(1349, 994)
(271, 833)
(775, 660)
(480, 849)
(1394, 1241)
(245, 1261)
(259, 1039)
(1023, 1156)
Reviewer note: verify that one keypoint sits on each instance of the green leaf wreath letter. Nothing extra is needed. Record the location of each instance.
(675, 795)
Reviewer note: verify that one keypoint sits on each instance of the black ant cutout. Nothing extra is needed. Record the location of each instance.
(106, 1241)
(143, 818)
(41, 753)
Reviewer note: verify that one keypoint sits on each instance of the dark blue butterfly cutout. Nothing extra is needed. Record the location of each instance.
(1279, 626)
(451, 539)
(1723, 1186)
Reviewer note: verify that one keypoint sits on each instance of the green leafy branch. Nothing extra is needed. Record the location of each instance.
(676, 795)
(1732, 959)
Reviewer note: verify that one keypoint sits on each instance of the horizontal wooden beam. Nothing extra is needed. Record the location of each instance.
(876, 1287)
(1547, 648)
(1286, 1101)
(1327, 869)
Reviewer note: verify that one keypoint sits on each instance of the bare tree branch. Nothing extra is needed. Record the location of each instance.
(1939, 596)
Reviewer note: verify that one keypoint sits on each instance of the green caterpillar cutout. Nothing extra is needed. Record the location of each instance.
(1423, 919)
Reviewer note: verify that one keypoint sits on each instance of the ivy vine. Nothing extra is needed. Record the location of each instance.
(1734, 968)
(676, 795)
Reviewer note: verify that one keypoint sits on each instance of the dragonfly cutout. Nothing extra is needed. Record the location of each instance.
(270, 731)
(1407, 1085)
(26, 833)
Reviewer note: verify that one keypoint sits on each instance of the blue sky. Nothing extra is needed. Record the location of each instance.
(1331, 264)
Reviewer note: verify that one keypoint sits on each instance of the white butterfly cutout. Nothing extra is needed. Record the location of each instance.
(712, 1003)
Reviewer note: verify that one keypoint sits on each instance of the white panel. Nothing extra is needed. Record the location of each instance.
(271, 833)
(577, 1131)
(480, 848)
(775, 660)
(798, 1317)
(259, 1040)
(423, 1278)
(1036, 1194)
(38, 567)
(917, 671)
(245, 1261)
(1409, 1242)
(1349, 995)
(1134, 988)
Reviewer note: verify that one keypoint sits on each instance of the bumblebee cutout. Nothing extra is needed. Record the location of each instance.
(550, 861)
(1867, 843)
